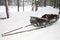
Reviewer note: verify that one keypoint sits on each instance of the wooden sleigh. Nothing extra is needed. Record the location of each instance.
(44, 21)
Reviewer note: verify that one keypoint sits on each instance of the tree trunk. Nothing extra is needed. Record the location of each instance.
(54, 3)
(23, 5)
(32, 5)
(18, 4)
(6, 5)
(44, 3)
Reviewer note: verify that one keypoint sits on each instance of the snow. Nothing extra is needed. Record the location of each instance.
(22, 18)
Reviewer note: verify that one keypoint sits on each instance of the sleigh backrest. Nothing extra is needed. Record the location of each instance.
(50, 16)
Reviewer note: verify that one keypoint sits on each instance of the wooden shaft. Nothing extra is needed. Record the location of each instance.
(20, 32)
(16, 29)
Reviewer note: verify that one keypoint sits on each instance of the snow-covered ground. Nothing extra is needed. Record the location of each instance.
(20, 19)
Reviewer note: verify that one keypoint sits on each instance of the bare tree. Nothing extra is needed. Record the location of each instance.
(32, 5)
(59, 4)
(54, 3)
(44, 3)
(6, 5)
(23, 5)
(18, 4)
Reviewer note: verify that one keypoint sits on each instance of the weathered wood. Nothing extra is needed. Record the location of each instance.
(20, 32)
(16, 29)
